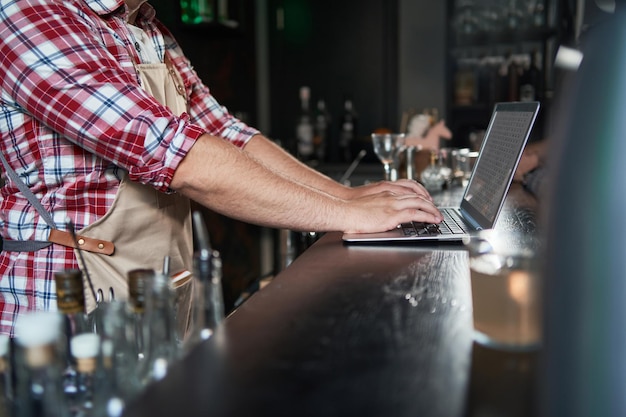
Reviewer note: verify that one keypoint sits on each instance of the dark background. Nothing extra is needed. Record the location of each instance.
(338, 48)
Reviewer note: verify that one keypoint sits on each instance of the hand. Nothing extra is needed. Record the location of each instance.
(527, 163)
(386, 210)
(401, 186)
(531, 159)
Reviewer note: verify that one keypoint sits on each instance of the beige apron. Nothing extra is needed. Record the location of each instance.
(144, 224)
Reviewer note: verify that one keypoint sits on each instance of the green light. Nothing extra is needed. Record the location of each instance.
(298, 21)
(194, 12)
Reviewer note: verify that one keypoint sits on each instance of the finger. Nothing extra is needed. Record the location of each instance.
(421, 209)
(414, 186)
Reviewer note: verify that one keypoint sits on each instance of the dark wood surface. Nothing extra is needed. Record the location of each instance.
(355, 330)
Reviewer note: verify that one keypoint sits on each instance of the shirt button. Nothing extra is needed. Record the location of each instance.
(137, 47)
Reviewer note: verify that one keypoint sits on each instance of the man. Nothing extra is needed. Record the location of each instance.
(106, 124)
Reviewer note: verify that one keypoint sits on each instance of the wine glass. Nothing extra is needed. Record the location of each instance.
(387, 146)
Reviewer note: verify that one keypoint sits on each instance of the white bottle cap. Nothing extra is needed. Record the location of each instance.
(85, 345)
(107, 348)
(38, 328)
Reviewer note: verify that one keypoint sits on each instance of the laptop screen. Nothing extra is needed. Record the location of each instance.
(499, 155)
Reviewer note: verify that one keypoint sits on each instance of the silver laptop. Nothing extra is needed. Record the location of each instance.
(483, 198)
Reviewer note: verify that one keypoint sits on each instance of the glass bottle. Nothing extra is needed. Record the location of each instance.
(71, 304)
(71, 301)
(513, 75)
(110, 394)
(531, 84)
(208, 304)
(6, 382)
(119, 357)
(137, 287)
(85, 349)
(348, 130)
(160, 337)
(40, 360)
(432, 177)
(321, 130)
(304, 127)
(193, 12)
(215, 293)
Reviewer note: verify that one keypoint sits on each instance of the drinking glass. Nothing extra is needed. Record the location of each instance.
(387, 146)
(505, 281)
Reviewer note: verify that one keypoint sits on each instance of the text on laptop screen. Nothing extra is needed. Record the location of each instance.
(491, 178)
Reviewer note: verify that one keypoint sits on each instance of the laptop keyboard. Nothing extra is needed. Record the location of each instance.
(452, 224)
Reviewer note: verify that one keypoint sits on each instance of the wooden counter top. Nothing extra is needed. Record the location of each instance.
(355, 330)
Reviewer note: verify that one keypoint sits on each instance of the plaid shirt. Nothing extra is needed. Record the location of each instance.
(73, 115)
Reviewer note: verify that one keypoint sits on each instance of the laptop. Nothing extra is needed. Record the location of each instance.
(483, 198)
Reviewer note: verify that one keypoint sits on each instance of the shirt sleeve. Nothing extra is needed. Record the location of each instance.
(69, 72)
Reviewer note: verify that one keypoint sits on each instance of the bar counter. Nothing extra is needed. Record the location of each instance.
(345, 330)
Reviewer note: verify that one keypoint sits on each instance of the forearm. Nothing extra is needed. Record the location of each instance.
(272, 155)
(280, 161)
(232, 182)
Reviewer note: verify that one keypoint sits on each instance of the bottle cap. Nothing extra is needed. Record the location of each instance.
(85, 345)
(107, 348)
(37, 328)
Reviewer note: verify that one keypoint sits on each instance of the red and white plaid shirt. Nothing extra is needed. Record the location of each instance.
(72, 114)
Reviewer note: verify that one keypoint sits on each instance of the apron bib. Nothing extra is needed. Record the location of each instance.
(144, 224)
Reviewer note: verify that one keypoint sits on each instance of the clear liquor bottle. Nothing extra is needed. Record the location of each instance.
(71, 304)
(208, 304)
(138, 281)
(348, 130)
(432, 176)
(321, 130)
(119, 356)
(304, 127)
(40, 360)
(160, 336)
(531, 85)
(112, 393)
(85, 348)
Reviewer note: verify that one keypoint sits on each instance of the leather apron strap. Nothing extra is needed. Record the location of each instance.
(60, 237)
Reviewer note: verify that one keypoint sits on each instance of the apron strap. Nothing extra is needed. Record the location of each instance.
(56, 236)
(27, 192)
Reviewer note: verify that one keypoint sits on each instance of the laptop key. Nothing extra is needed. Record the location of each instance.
(408, 229)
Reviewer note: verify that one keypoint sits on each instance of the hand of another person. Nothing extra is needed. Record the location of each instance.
(527, 163)
(531, 159)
